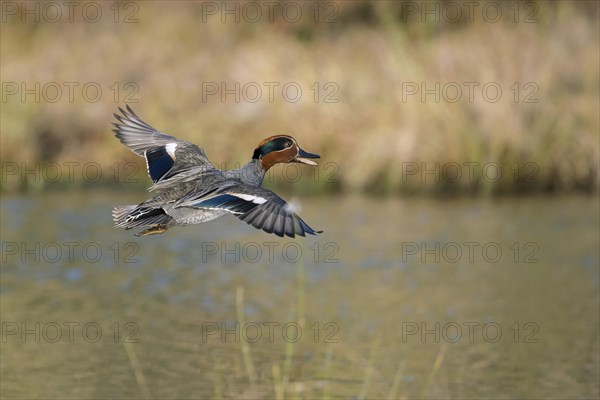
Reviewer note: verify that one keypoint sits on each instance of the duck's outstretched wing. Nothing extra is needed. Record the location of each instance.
(258, 207)
(166, 156)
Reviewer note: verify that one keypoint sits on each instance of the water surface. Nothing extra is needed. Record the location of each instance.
(400, 297)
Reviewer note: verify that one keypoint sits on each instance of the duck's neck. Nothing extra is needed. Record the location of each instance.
(251, 174)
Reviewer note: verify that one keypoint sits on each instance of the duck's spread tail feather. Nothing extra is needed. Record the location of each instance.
(133, 216)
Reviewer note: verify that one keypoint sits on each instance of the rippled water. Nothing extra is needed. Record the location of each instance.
(400, 297)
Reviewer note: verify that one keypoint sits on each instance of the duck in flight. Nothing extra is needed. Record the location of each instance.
(190, 190)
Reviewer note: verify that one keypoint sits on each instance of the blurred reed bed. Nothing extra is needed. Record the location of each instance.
(375, 135)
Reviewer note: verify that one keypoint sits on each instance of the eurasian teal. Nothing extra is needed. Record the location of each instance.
(190, 190)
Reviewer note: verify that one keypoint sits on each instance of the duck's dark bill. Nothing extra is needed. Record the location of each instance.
(303, 157)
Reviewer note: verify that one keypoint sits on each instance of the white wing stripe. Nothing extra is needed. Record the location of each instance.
(170, 147)
(249, 197)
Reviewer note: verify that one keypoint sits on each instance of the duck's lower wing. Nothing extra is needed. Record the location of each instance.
(258, 207)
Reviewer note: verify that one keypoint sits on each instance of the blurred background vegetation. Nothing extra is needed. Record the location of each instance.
(368, 52)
